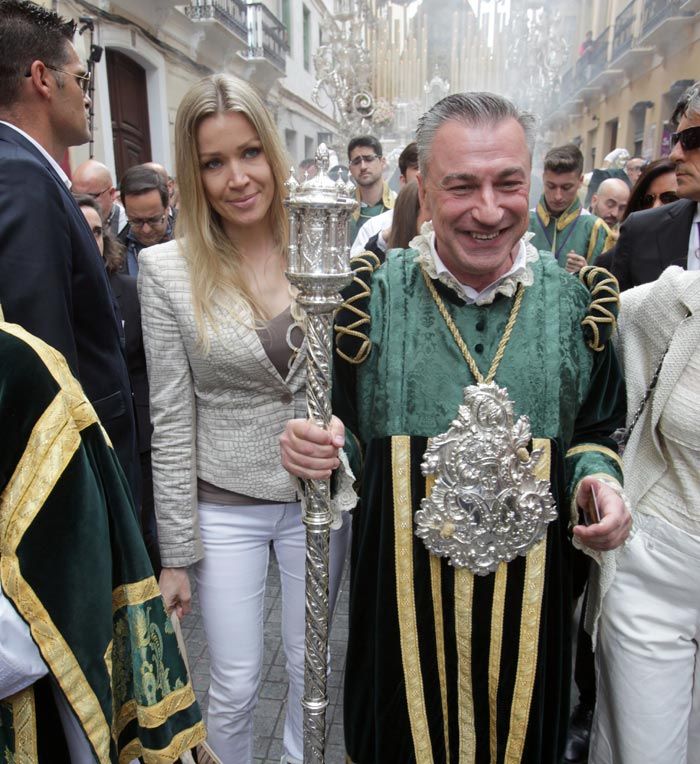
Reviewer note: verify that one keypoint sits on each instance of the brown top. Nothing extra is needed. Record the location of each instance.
(281, 339)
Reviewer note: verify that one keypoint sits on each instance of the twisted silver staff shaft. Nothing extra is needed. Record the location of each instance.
(318, 265)
(317, 518)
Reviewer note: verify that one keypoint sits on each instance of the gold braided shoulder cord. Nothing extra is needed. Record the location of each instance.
(462, 345)
(605, 293)
(365, 263)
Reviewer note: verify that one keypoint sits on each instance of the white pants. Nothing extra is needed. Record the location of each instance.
(648, 706)
(231, 585)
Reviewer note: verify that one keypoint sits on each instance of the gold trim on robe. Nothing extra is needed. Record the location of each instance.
(529, 627)
(586, 448)
(24, 725)
(496, 644)
(405, 598)
(438, 615)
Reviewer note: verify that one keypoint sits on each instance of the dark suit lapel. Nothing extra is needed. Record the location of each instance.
(12, 136)
(116, 285)
(672, 236)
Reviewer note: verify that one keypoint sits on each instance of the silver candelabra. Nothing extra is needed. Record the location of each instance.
(318, 266)
(343, 69)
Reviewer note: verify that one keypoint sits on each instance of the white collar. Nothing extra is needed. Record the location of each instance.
(696, 217)
(56, 166)
(519, 273)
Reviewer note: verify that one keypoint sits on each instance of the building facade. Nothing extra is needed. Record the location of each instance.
(621, 88)
(151, 52)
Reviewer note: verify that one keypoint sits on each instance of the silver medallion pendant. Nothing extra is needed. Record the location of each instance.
(486, 506)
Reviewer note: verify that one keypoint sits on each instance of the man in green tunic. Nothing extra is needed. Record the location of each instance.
(559, 224)
(374, 196)
(460, 612)
(89, 664)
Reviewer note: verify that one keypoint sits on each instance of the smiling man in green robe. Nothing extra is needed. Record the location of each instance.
(478, 392)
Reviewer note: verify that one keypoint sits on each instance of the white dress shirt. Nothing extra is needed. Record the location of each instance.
(694, 242)
(374, 225)
(471, 294)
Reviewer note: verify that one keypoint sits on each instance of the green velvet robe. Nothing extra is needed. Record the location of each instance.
(73, 564)
(444, 666)
(586, 235)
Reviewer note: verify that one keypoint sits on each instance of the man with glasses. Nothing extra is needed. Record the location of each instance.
(367, 164)
(653, 239)
(94, 179)
(146, 200)
(52, 278)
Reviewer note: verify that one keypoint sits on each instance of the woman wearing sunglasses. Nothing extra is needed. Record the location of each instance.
(656, 186)
(653, 239)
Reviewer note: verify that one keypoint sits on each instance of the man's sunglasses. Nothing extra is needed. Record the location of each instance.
(83, 79)
(688, 138)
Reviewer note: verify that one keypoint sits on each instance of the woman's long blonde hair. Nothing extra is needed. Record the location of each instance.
(214, 261)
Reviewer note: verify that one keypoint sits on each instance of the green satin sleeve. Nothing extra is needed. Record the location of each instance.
(592, 450)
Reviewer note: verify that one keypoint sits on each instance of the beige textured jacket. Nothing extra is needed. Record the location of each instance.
(664, 313)
(217, 417)
(652, 316)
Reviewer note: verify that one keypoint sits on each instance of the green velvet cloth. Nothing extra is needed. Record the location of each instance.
(411, 385)
(75, 568)
(572, 231)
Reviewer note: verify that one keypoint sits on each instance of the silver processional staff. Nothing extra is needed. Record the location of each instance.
(318, 265)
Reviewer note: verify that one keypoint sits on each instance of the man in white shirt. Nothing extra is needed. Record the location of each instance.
(408, 170)
(652, 240)
(367, 163)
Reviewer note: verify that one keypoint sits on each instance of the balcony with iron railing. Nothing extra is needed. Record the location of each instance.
(260, 36)
(639, 29)
(624, 30)
(656, 11)
(230, 13)
(598, 54)
(267, 36)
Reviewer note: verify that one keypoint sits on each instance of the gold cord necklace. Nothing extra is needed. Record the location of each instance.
(462, 345)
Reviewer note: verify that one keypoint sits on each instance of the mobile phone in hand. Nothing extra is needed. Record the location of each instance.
(591, 512)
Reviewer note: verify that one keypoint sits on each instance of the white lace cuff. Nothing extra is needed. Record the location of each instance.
(344, 498)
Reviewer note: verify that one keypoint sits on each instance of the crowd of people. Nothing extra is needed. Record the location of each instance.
(510, 434)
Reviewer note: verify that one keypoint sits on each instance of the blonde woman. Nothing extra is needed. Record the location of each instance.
(225, 375)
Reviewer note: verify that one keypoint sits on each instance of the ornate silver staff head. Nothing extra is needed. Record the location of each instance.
(318, 261)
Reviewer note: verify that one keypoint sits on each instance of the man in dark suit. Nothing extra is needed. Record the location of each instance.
(52, 278)
(652, 240)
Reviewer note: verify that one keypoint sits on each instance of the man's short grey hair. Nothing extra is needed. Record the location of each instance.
(472, 109)
(688, 104)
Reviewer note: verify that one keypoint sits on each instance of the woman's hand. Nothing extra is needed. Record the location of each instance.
(309, 451)
(175, 587)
